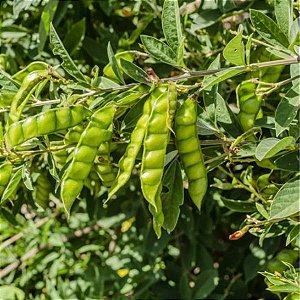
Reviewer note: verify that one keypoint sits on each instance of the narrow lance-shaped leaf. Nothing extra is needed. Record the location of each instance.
(59, 49)
(268, 29)
(234, 52)
(171, 24)
(75, 36)
(159, 50)
(46, 18)
(114, 64)
(173, 198)
(135, 72)
(211, 80)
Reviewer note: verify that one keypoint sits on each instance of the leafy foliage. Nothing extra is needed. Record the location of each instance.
(247, 124)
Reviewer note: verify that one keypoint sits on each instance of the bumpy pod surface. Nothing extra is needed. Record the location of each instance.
(97, 132)
(103, 166)
(44, 123)
(189, 150)
(249, 103)
(42, 190)
(28, 86)
(155, 145)
(127, 161)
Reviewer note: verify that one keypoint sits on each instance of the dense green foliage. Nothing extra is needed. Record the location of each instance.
(149, 149)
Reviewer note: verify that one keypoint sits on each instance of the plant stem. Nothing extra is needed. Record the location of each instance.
(196, 74)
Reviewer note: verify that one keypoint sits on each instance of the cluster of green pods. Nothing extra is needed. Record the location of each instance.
(87, 139)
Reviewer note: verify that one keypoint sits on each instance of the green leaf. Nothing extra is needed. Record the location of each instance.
(114, 64)
(27, 178)
(12, 185)
(171, 24)
(268, 29)
(261, 209)
(135, 72)
(287, 109)
(284, 288)
(248, 49)
(283, 13)
(271, 146)
(293, 234)
(210, 94)
(239, 205)
(205, 19)
(226, 118)
(234, 52)
(75, 36)
(173, 198)
(286, 201)
(294, 33)
(289, 161)
(213, 79)
(180, 54)
(159, 50)
(46, 19)
(59, 49)
(205, 283)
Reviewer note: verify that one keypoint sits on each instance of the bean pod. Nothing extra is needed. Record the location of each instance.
(249, 103)
(34, 66)
(47, 122)
(28, 86)
(127, 162)
(155, 145)
(42, 190)
(189, 150)
(5, 174)
(97, 132)
(103, 166)
(59, 153)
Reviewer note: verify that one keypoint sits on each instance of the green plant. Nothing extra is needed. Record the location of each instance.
(243, 107)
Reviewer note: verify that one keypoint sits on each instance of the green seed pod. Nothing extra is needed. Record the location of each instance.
(24, 93)
(5, 175)
(152, 171)
(34, 66)
(127, 162)
(74, 134)
(189, 150)
(42, 190)
(103, 166)
(59, 156)
(97, 132)
(44, 123)
(249, 103)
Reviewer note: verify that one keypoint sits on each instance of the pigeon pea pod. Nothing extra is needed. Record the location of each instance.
(127, 161)
(98, 131)
(24, 93)
(42, 190)
(59, 153)
(104, 167)
(155, 145)
(189, 150)
(5, 174)
(44, 123)
(249, 103)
